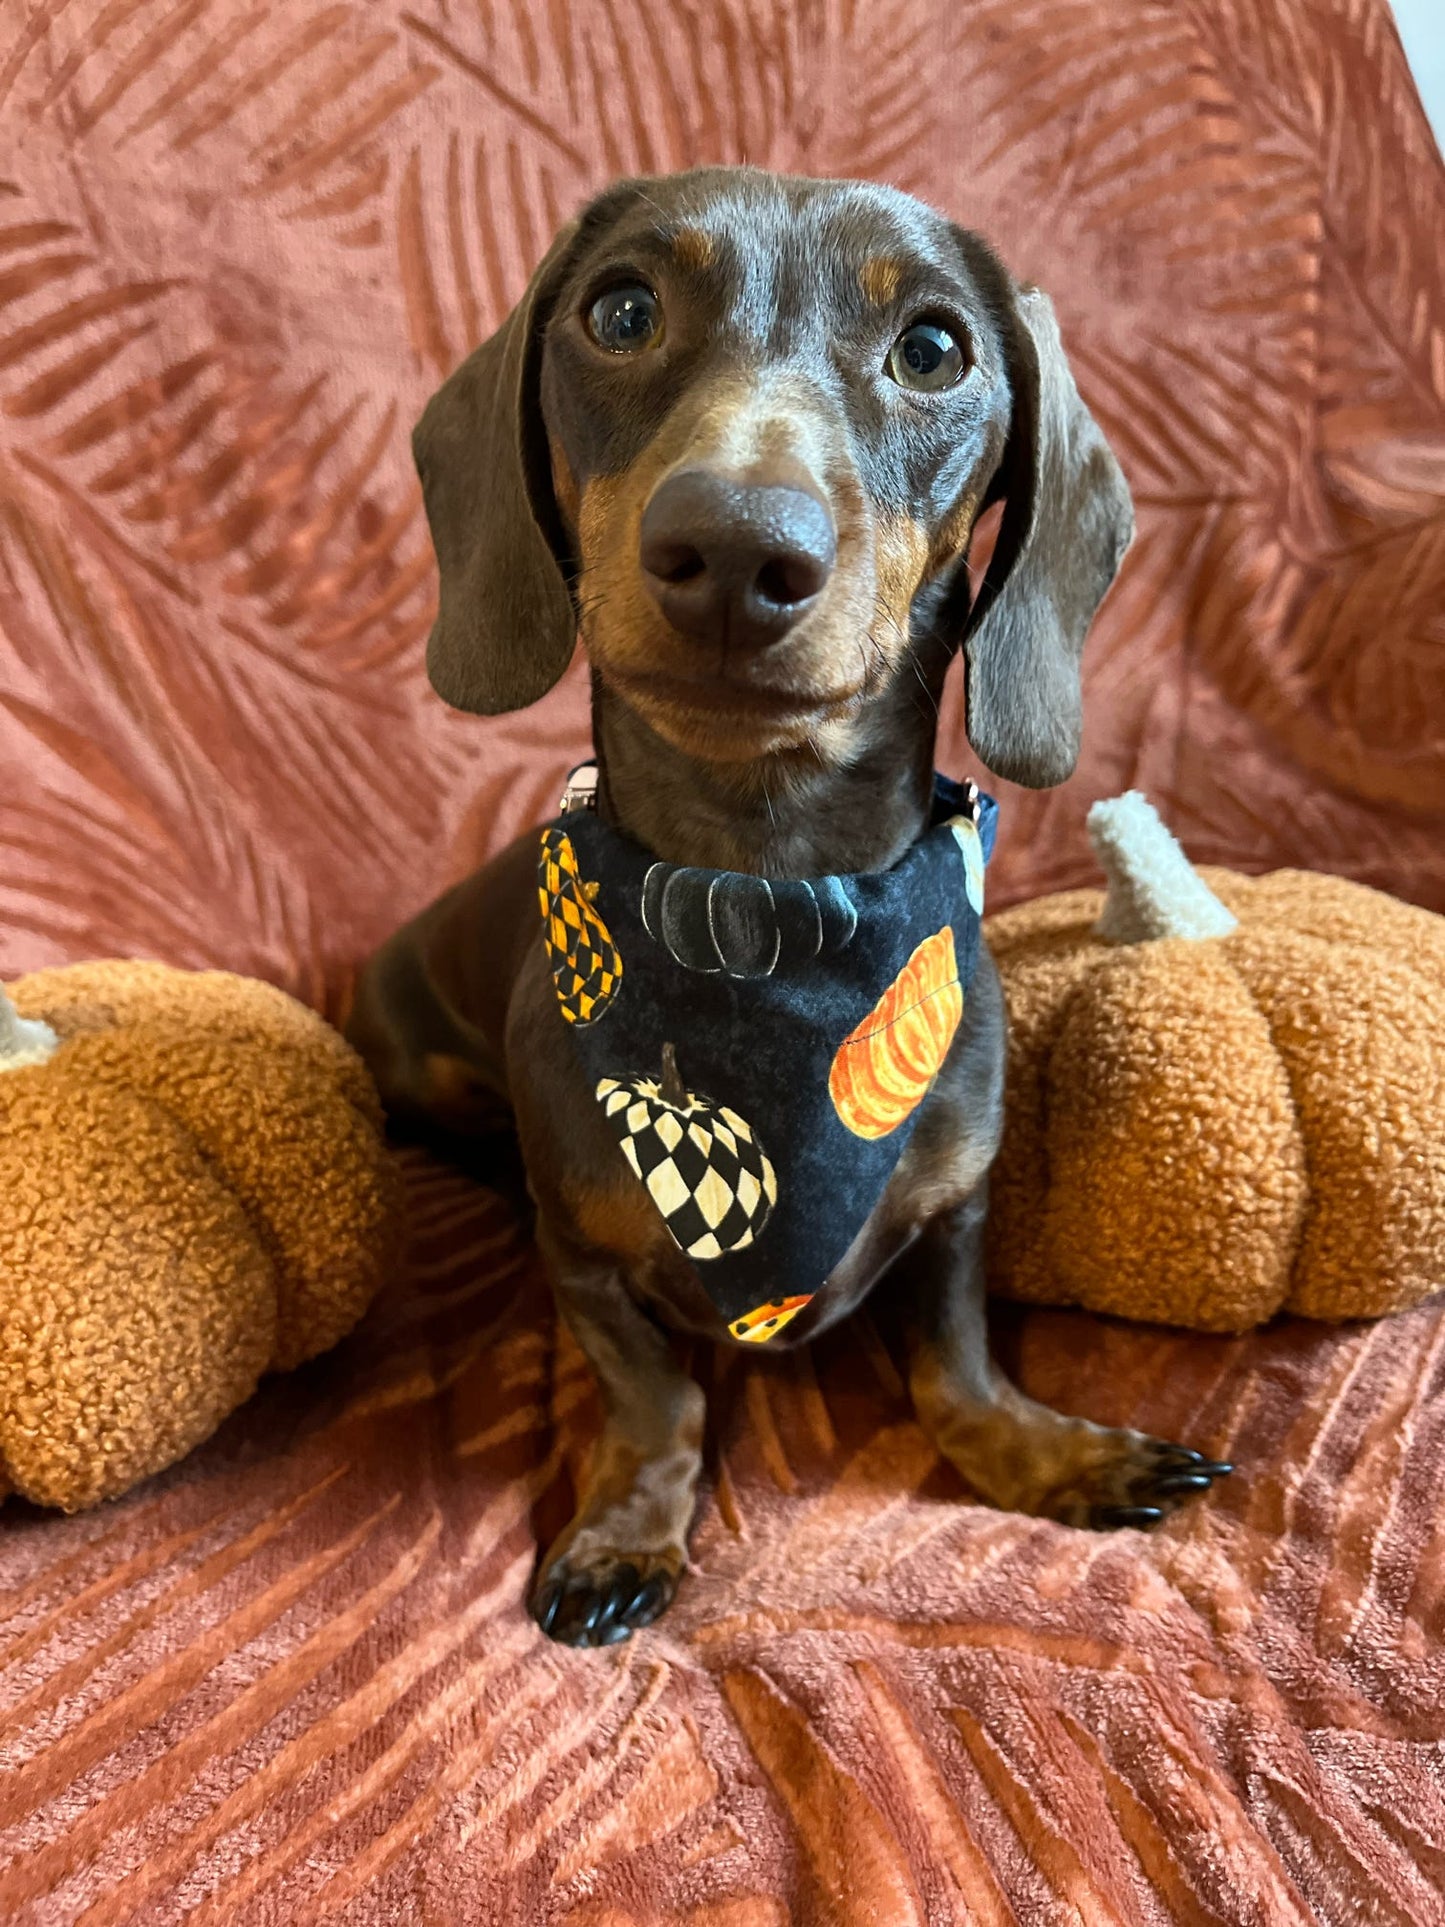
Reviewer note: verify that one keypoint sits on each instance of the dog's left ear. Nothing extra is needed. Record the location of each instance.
(506, 625)
(1067, 521)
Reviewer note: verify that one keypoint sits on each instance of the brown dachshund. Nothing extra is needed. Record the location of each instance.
(738, 433)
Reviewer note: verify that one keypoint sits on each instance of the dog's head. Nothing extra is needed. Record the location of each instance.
(739, 431)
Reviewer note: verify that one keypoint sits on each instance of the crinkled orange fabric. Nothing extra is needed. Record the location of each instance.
(292, 1680)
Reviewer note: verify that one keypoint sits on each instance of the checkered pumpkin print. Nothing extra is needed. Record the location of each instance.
(702, 1164)
(586, 963)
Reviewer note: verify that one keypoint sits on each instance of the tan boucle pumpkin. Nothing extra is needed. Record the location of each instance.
(1226, 1094)
(194, 1190)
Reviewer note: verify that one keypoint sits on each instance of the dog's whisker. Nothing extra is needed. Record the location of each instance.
(933, 701)
(768, 800)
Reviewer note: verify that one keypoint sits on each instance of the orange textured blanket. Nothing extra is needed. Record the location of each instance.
(292, 1681)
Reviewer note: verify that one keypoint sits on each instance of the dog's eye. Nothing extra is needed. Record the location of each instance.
(927, 356)
(625, 319)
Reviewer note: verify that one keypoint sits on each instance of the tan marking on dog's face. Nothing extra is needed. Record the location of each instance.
(693, 249)
(620, 623)
(954, 533)
(564, 485)
(901, 552)
(880, 278)
(745, 429)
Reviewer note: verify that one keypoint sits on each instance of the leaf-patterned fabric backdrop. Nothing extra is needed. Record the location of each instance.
(240, 244)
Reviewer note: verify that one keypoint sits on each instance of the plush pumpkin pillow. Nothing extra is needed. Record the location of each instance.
(1226, 1095)
(195, 1191)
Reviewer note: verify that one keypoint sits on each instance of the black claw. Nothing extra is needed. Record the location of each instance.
(648, 1601)
(1216, 1468)
(612, 1633)
(1180, 1452)
(640, 1595)
(548, 1603)
(578, 1615)
(620, 1588)
(1128, 1515)
(1180, 1482)
(626, 1582)
(594, 1603)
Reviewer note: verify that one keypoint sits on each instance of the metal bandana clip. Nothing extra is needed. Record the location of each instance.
(581, 789)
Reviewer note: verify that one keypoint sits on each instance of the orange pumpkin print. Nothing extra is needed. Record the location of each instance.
(883, 1070)
(763, 1322)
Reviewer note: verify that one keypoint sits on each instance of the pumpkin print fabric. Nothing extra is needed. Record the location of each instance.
(702, 1164)
(970, 848)
(760, 1049)
(886, 1067)
(766, 1321)
(585, 965)
(746, 926)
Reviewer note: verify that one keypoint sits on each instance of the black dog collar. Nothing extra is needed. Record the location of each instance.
(761, 1047)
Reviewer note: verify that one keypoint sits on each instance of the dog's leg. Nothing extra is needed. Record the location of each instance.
(616, 1565)
(1016, 1453)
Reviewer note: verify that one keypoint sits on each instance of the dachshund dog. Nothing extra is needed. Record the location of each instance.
(738, 433)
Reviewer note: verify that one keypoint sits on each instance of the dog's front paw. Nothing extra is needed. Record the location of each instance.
(1128, 1479)
(604, 1597)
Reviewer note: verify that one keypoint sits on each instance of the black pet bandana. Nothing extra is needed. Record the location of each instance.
(760, 1047)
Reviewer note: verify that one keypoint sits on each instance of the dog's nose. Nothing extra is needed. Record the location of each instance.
(735, 562)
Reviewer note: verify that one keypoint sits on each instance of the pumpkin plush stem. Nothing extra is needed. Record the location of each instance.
(1154, 890)
(23, 1040)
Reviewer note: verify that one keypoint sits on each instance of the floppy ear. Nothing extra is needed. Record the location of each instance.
(1067, 521)
(506, 625)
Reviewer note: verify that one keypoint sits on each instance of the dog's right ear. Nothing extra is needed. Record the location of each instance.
(506, 625)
